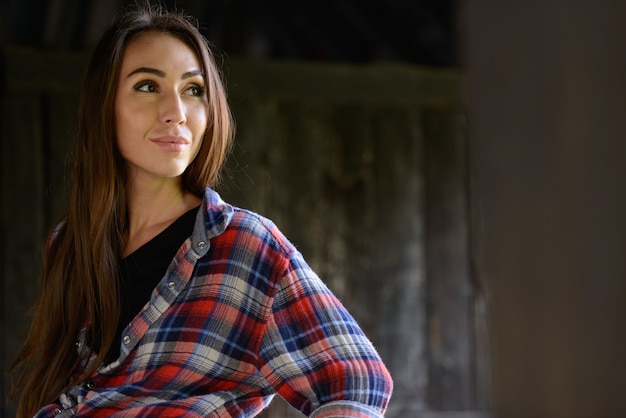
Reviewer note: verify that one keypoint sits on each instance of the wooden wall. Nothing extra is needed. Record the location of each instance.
(363, 167)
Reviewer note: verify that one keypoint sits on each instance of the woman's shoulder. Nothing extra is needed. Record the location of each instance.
(253, 225)
(245, 225)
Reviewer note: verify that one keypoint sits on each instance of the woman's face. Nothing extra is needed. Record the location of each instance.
(161, 106)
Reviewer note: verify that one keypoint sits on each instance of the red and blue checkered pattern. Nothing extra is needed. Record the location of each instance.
(238, 317)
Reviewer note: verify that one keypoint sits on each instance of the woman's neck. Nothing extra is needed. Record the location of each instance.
(152, 208)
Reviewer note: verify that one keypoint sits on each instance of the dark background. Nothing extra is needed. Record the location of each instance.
(415, 31)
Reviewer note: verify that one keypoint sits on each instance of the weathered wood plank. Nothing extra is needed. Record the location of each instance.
(399, 261)
(450, 300)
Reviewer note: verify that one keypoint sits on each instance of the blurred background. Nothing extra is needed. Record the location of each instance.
(452, 169)
(420, 31)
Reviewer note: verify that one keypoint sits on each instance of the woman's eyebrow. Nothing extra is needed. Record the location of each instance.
(192, 73)
(160, 73)
(147, 70)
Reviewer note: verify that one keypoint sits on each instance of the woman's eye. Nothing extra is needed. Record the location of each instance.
(195, 91)
(146, 87)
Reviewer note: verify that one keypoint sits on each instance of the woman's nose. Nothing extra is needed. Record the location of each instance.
(172, 109)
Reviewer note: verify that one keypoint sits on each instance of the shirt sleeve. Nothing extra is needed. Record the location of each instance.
(316, 356)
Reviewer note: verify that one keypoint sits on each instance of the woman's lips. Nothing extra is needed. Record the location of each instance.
(171, 143)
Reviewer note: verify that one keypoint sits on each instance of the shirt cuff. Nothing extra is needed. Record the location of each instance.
(348, 409)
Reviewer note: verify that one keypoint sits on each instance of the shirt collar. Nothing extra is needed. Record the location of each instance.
(211, 220)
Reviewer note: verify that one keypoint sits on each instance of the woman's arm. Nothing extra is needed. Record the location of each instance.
(315, 354)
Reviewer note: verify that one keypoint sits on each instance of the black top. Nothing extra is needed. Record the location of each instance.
(141, 272)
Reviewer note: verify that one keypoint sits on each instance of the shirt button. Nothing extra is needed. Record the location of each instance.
(171, 285)
(126, 340)
(201, 245)
(91, 385)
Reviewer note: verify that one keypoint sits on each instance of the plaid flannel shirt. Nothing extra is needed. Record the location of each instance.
(238, 317)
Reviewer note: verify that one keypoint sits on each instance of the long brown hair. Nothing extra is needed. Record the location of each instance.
(80, 270)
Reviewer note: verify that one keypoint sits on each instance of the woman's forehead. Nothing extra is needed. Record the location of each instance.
(159, 50)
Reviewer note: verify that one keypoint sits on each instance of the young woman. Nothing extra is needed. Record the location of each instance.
(160, 299)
